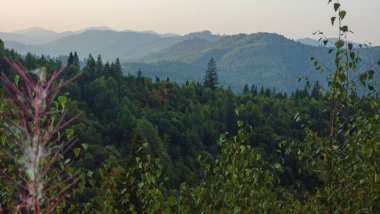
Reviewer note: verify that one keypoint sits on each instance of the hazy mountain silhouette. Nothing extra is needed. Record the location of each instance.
(263, 59)
(105, 41)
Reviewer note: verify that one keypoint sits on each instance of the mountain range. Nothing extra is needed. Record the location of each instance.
(109, 43)
(263, 59)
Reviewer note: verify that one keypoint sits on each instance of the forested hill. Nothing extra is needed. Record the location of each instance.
(109, 43)
(155, 146)
(178, 122)
(263, 59)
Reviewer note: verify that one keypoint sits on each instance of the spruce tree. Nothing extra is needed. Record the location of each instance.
(245, 89)
(70, 59)
(211, 77)
(76, 59)
(1, 46)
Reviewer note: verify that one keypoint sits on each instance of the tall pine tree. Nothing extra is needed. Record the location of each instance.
(211, 77)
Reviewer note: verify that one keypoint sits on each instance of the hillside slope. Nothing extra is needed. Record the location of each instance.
(263, 59)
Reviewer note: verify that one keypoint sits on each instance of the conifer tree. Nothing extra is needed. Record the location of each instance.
(1, 47)
(211, 77)
(254, 89)
(70, 59)
(76, 59)
(245, 89)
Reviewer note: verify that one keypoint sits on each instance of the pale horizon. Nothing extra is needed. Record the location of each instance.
(294, 19)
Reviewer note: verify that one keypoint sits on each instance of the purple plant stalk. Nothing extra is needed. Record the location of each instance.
(35, 129)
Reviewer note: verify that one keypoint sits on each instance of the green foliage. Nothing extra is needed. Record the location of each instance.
(239, 180)
(265, 59)
(2, 49)
(160, 147)
(211, 76)
(345, 157)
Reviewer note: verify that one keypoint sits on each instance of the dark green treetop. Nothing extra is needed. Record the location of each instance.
(211, 77)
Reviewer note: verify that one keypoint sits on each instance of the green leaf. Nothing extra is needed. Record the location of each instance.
(370, 74)
(69, 133)
(342, 77)
(17, 79)
(242, 149)
(56, 104)
(258, 156)
(277, 166)
(67, 161)
(215, 170)
(91, 182)
(76, 152)
(333, 20)
(336, 6)
(342, 14)
(145, 145)
(62, 100)
(3, 139)
(344, 28)
(352, 55)
(350, 46)
(339, 43)
(85, 146)
(363, 78)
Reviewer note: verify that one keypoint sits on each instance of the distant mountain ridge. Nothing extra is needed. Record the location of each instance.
(319, 43)
(263, 59)
(105, 41)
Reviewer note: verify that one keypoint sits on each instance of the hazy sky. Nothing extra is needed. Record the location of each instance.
(292, 18)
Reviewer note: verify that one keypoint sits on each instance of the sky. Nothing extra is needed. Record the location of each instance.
(292, 18)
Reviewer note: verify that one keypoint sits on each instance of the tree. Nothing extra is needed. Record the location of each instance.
(70, 59)
(245, 89)
(211, 77)
(37, 139)
(253, 90)
(316, 92)
(99, 66)
(345, 158)
(76, 59)
(1, 47)
(117, 72)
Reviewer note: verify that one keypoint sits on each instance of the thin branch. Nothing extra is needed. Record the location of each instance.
(24, 75)
(10, 85)
(54, 77)
(60, 173)
(9, 154)
(18, 102)
(76, 117)
(2, 172)
(56, 155)
(10, 123)
(68, 178)
(60, 196)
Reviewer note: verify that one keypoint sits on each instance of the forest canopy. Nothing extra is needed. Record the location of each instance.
(133, 144)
